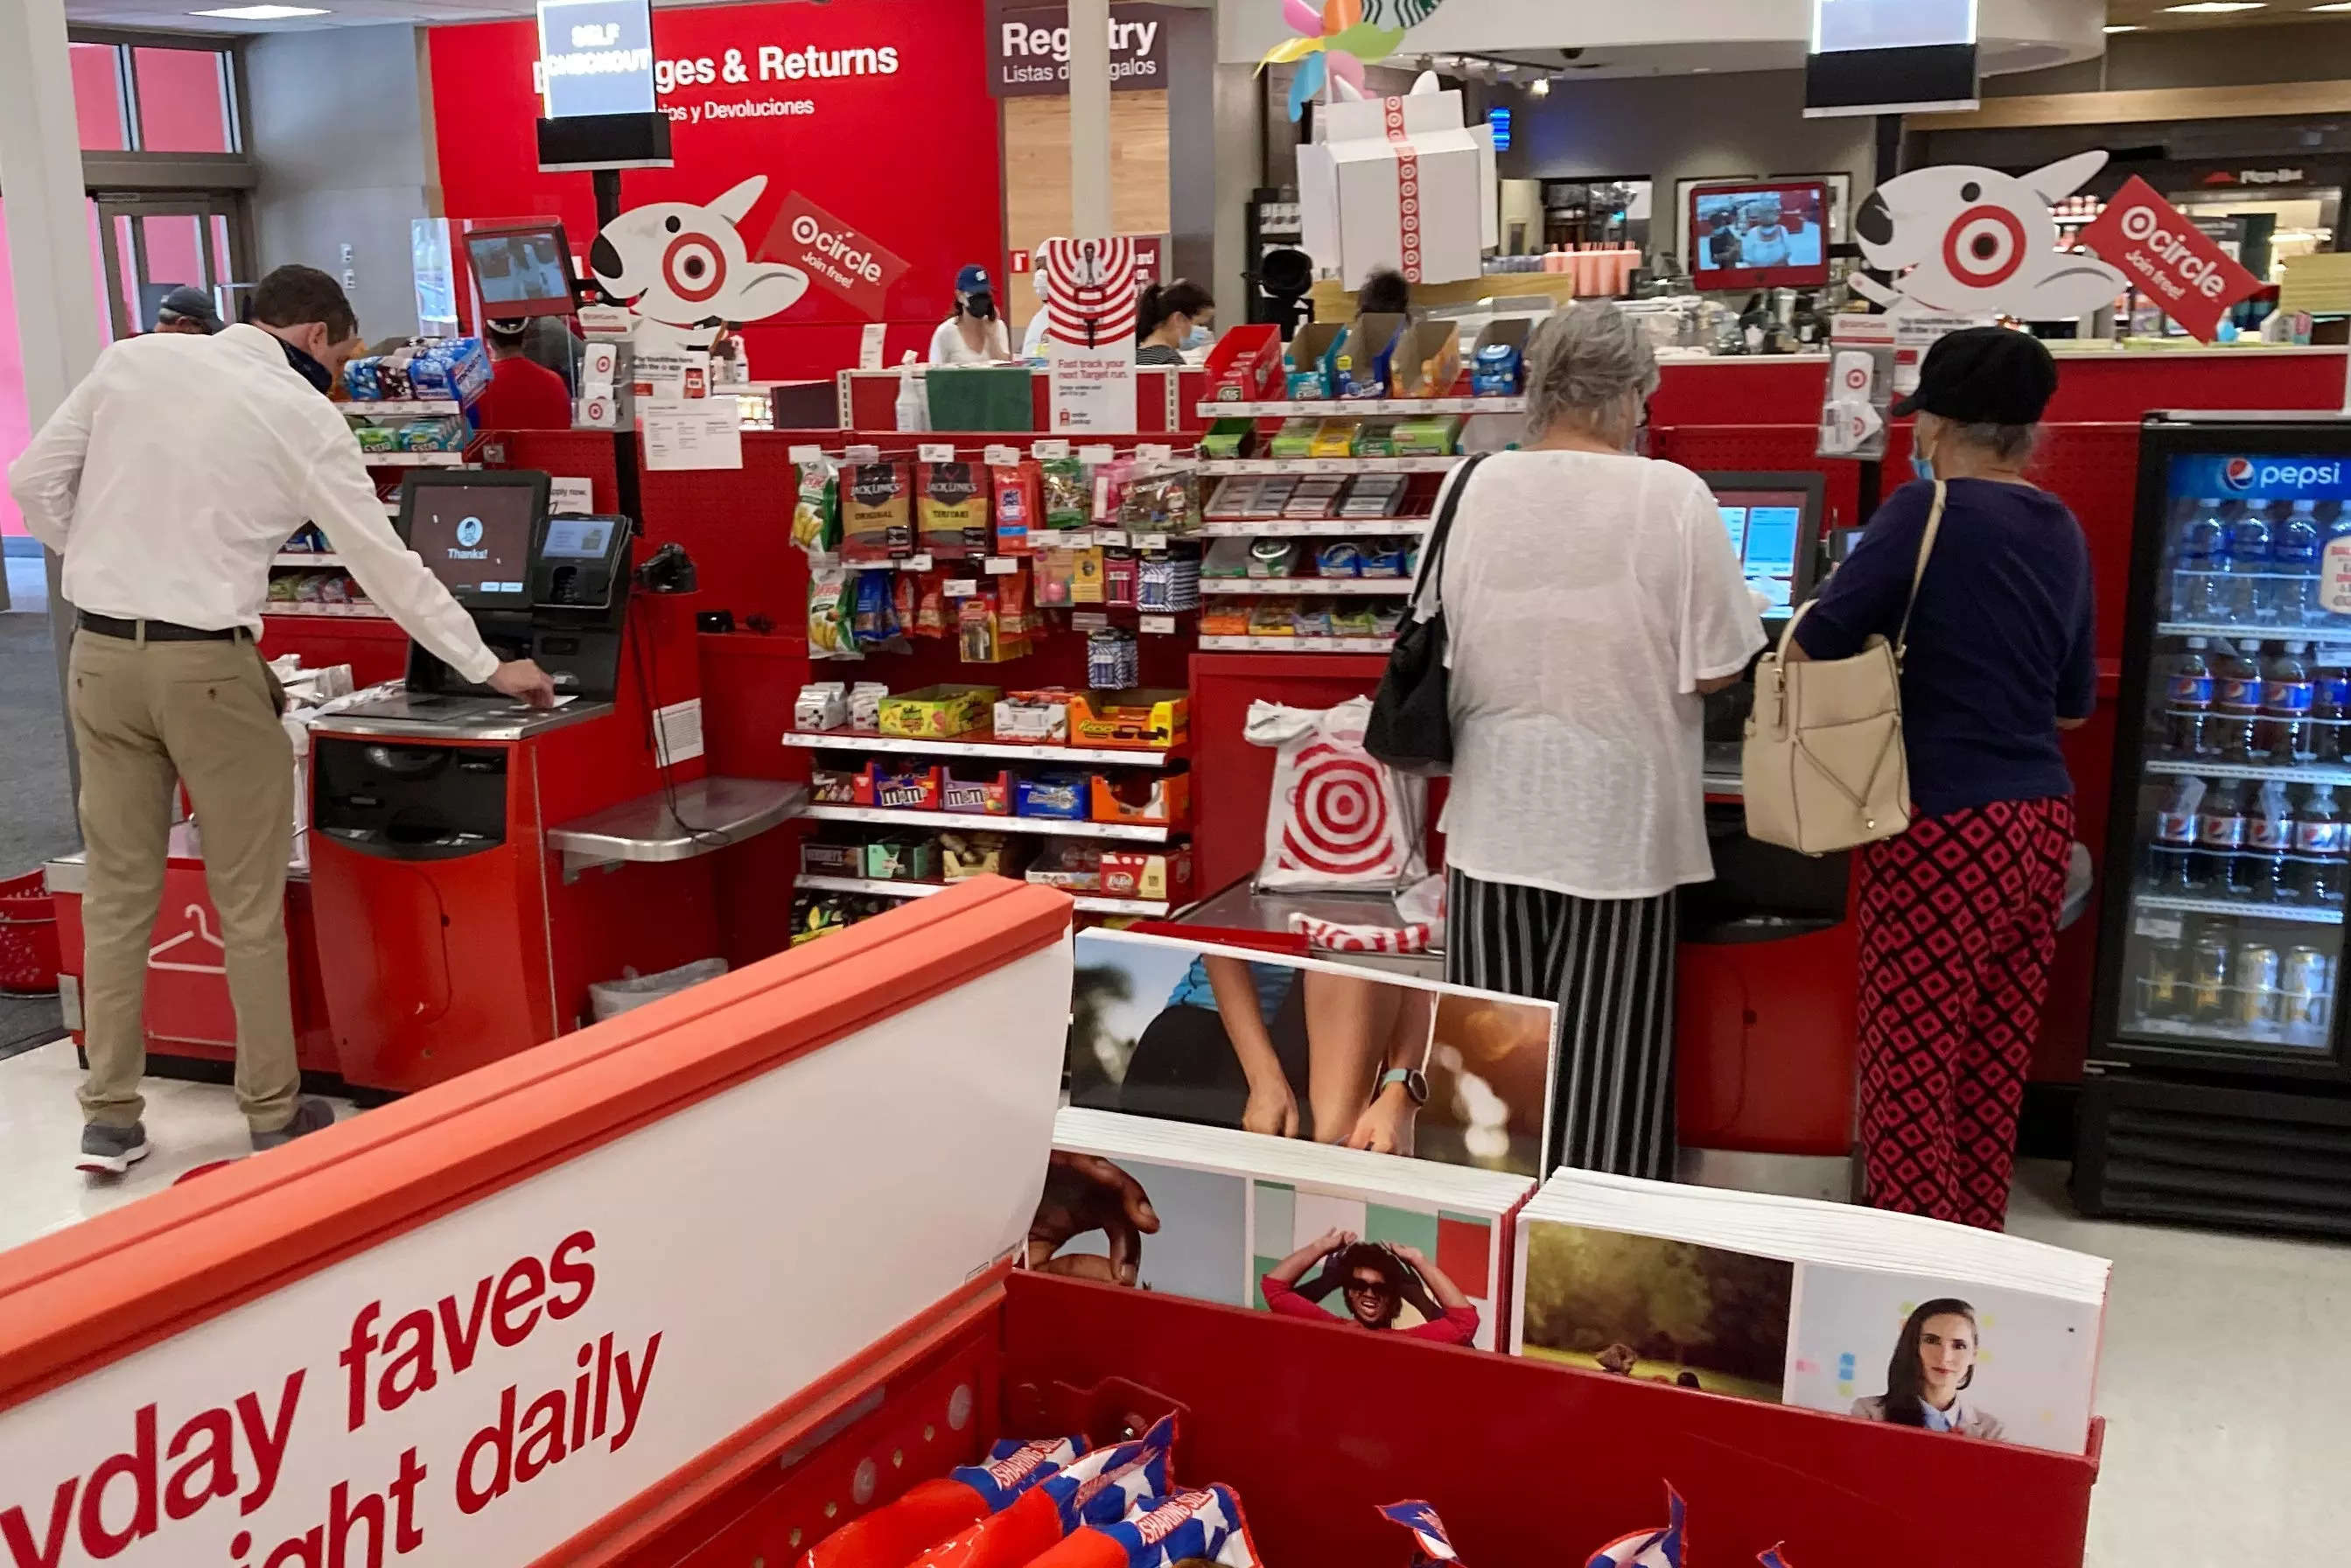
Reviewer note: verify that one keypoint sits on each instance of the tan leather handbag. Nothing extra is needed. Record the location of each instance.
(1824, 766)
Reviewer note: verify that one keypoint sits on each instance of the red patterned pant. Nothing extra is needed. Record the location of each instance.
(1959, 921)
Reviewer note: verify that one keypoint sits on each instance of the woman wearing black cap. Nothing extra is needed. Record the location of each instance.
(1958, 915)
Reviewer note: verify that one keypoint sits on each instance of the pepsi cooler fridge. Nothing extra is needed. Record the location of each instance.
(2219, 1089)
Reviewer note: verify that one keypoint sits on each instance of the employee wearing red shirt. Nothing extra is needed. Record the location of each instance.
(522, 396)
(1374, 1280)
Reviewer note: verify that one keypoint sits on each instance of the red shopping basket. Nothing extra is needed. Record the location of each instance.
(28, 936)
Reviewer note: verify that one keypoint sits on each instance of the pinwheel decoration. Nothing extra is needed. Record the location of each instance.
(1334, 41)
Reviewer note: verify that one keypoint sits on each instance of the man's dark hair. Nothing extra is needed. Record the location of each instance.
(1384, 293)
(297, 296)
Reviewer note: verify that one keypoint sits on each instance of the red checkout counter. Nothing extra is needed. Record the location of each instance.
(473, 865)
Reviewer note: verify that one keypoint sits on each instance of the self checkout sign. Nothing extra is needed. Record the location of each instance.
(596, 57)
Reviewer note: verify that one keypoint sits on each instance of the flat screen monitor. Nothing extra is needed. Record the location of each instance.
(1768, 235)
(1880, 56)
(1773, 522)
(523, 271)
(478, 533)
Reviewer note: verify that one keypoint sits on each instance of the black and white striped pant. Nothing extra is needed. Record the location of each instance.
(1609, 964)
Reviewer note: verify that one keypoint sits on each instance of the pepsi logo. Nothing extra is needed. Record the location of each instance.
(2237, 473)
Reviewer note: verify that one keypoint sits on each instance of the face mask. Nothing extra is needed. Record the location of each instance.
(982, 305)
(1922, 468)
(310, 369)
(1197, 338)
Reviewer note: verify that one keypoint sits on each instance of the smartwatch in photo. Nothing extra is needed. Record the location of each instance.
(1415, 1082)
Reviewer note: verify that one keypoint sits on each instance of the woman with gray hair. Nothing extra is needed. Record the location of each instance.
(1590, 598)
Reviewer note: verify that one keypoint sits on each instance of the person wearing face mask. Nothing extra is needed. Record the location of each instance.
(975, 334)
(1591, 599)
(1173, 317)
(1033, 341)
(168, 479)
(1958, 915)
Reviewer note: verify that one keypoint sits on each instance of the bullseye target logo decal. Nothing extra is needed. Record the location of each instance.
(694, 267)
(1985, 246)
(1339, 819)
(684, 270)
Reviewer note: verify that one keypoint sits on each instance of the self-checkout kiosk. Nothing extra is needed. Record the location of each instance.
(477, 864)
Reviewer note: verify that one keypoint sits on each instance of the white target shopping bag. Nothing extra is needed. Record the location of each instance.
(1338, 818)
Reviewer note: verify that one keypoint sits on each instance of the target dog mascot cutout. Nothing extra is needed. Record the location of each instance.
(1980, 243)
(685, 271)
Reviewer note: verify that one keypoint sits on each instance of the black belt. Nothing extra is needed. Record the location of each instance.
(157, 630)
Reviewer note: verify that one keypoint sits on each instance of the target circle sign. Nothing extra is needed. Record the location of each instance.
(1339, 823)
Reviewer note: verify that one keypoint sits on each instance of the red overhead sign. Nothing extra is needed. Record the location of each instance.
(834, 255)
(2169, 259)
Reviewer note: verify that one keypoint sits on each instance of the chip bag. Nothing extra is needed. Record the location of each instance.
(1099, 1488)
(1202, 1525)
(816, 506)
(831, 631)
(935, 1509)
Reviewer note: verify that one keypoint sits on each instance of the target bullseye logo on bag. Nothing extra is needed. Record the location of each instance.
(1337, 816)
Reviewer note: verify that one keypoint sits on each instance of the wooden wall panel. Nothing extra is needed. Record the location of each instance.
(1037, 177)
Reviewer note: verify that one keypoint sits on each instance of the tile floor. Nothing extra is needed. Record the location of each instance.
(2224, 1382)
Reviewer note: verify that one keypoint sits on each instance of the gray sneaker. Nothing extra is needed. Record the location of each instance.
(111, 1151)
(310, 1114)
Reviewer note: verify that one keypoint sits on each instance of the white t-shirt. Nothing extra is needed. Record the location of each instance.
(947, 346)
(1585, 596)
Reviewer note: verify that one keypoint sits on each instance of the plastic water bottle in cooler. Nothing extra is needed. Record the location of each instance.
(2171, 861)
(2220, 868)
(2330, 703)
(2251, 599)
(2319, 847)
(2197, 593)
(2269, 841)
(2187, 701)
(2286, 697)
(2293, 566)
(2236, 698)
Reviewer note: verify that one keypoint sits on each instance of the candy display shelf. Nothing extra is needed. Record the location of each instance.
(974, 822)
(1429, 465)
(1313, 527)
(1337, 407)
(403, 408)
(978, 746)
(878, 887)
(1230, 645)
(1394, 587)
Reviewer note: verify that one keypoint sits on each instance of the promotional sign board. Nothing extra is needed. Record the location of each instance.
(1091, 289)
(1028, 50)
(2172, 261)
(596, 57)
(834, 255)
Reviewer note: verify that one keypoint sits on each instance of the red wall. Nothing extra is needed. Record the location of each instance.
(910, 158)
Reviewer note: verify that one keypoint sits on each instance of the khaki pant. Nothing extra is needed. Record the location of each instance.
(145, 714)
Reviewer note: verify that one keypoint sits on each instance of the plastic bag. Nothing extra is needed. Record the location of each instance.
(1337, 819)
(611, 998)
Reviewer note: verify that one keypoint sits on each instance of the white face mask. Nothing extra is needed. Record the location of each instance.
(1200, 337)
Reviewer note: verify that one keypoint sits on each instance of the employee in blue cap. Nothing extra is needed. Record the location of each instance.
(975, 334)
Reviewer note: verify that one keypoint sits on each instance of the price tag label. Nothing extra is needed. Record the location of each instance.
(2159, 928)
(963, 587)
(862, 455)
(915, 563)
(805, 453)
(1002, 566)
(1003, 456)
(1154, 452)
(1151, 541)
(1110, 536)
(1163, 624)
(935, 452)
(1076, 539)
(1054, 448)
(1088, 620)
(1094, 456)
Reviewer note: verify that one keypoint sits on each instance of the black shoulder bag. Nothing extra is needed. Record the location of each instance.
(1410, 729)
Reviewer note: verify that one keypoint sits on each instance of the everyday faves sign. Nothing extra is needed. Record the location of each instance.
(2174, 263)
(476, 1391)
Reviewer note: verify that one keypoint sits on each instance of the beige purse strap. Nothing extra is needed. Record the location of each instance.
(1919, 572)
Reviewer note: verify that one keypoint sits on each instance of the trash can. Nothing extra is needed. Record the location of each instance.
(28, 936)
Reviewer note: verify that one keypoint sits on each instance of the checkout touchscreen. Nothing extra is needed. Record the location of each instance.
(476, 539)
(1775, 531)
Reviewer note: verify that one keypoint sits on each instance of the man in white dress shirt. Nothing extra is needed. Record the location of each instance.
(167, 480)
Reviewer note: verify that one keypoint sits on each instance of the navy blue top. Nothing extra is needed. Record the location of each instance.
(1999, 639)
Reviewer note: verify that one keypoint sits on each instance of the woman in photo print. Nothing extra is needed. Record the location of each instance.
(1374, 1279)
(1932, 1364)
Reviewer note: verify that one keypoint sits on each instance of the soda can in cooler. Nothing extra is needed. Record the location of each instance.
(2257, 985)
(2307, 990)
(2208, 979)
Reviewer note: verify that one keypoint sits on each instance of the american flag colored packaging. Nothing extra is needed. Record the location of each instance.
(1100, 1488)
(1201, 1525)
(935, 1509)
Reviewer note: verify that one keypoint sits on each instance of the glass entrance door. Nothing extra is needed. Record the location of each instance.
(152, 244)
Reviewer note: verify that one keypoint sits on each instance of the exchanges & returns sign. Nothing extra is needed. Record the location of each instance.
(596, 57)
(2175, 265)
(835, 256)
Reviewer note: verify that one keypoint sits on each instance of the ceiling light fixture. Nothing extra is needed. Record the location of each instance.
(2336, 5)
(2125, 27)
(1541, 86)
(2215, 8)
(261, 13)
